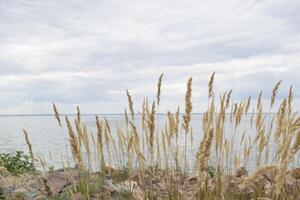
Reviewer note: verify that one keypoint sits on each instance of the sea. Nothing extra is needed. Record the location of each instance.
(50, 141)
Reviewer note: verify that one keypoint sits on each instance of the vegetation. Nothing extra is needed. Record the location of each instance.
(155, 156)
(17, 163)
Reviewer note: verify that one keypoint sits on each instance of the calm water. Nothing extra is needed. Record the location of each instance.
(50, 141)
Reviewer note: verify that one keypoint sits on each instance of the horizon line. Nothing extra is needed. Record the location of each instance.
(90, 114)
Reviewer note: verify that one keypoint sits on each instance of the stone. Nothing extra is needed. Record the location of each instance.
(295, 173)
(3, 172)
(110, 169)
(192, 178)
(9, 183)
(27, 192)
(41, 197)
(241, 172)
(56, 181)
(77, 196)
(270, 174)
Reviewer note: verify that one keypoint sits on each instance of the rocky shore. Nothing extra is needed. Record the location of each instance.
(118, 184)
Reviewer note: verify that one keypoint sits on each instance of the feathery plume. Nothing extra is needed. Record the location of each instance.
(56, 114)
(210, 85)
(29, 145)
(159, 89)
(228, 99)
(188, 106)
(130, 102)
(78, 115)
(274, 93)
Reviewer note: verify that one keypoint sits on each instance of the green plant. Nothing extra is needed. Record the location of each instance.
(51, 168)
(212, 171)
(17, 163)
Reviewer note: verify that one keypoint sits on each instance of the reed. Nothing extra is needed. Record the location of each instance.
(152, 159)
(56, 114)
(274, 93)
(210, 85)
(159, 89)
(29, 145)
(187, 118)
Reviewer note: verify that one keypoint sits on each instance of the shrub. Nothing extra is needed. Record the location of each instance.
(17, 163)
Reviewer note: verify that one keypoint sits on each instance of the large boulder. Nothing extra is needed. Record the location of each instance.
(58, 180)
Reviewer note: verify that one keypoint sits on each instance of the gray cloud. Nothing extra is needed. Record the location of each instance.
(79, 53)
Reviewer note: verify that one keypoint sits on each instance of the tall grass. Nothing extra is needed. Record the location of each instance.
(150, 152)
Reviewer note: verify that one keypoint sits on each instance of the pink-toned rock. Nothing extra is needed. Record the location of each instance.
(56, 183)
(58, 180)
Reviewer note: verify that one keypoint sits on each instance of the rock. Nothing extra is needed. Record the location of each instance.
(270, 174)
(110, 169)
(135, 177)
(10, 183)
(133, 187)
(56, 183)
(126, 187)
(26, 192)
(192, 178)
(3, 172)
(290, 183)
(77, 196)
(59, 179)
(20, 187)
(295, 173)
(241, 172)
(41, 197)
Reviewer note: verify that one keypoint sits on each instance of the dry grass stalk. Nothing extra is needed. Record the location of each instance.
(159, 89)
(29, 145)
(210, 85)
(78, 115)
(99, 132)
(228, 99)
(286, 155)
(203, 153)
(274, 93)
(248, 104)
(56, 114)
(126, 118)
(280, 120)
(220, 126)
(75, 149)
(177, 121)
(100, 144)
(79, 132)
(290, 99)
(130, 103)
(151, 128)
(188, 106)
(259, 101)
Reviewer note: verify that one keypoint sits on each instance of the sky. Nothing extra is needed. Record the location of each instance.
(87, 53)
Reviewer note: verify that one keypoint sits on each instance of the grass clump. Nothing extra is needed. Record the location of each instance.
(149, 160)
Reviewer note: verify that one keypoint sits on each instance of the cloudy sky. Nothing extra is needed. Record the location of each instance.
(78, 52)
